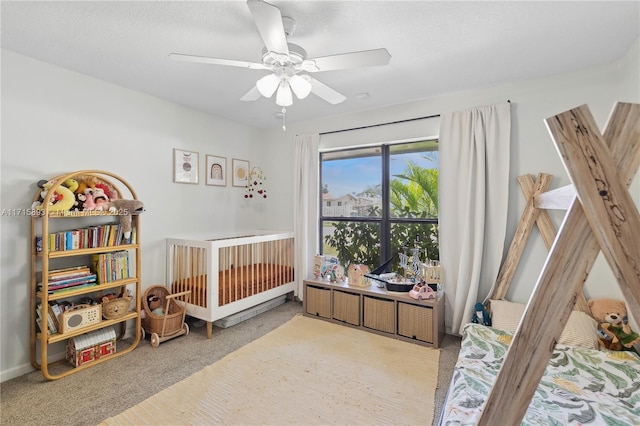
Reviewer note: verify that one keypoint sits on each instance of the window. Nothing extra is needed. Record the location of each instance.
(388, 200)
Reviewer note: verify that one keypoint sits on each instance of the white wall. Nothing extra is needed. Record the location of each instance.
(56, 121)
(532, 150)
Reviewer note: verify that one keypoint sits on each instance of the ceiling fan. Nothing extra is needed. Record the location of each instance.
(288, 62)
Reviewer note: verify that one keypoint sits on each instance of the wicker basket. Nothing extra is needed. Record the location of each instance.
(115, 308)
(172, 320)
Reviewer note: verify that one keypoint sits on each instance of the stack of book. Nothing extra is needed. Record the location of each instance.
(52, 314)
(69, 279)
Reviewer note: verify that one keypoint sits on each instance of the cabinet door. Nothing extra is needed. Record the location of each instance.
(346, 307)
(415, 322)
(318, 301)
(378, 314)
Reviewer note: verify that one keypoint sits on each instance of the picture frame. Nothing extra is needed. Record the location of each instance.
(185, 166)
(216, 171)
(240, 170)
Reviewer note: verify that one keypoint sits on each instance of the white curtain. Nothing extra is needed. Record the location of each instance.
(473, 198)
(305, 206)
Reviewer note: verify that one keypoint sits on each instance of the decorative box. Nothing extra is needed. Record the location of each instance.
(356, 277)
(89, 347)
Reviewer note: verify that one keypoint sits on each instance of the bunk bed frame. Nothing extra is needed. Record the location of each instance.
(601, 216)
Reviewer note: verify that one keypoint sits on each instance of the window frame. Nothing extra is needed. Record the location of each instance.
(386, 220)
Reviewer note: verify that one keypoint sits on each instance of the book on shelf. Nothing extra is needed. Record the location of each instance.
(75, 287)
(67, 271)
(109, 235)
(57, 285)
(59, 279)
(111, 266)
(51, 319)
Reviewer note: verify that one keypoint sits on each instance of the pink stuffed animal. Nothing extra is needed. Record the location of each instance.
(89, 204)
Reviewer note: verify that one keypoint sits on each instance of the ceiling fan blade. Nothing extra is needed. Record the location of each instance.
(268, 19)
(325, 92)
(364, 58)
(216, 61)
(251, 95)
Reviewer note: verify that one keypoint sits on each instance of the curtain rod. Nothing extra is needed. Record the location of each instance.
(384, 124)
(381, 124)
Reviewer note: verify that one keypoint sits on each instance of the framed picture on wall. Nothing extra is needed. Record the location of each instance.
(185, 166)
(240, 172)
(216, 171)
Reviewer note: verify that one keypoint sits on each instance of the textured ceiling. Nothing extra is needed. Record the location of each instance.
(435, 47)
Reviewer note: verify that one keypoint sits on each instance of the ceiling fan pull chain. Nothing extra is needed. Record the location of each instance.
(284, 118)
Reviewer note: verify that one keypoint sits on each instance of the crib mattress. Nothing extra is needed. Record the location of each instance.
(237, 283)
(579, 386)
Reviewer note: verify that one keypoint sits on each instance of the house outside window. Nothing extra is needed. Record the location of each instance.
(386, 200)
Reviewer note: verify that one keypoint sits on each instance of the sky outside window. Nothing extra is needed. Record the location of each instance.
(353, 175)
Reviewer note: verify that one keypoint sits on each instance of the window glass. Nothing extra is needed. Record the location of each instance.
(353, 179)
(380, 201)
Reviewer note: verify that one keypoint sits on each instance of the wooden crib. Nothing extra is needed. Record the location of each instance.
(229, 274)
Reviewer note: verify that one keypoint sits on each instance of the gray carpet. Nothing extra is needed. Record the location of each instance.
(89, 397)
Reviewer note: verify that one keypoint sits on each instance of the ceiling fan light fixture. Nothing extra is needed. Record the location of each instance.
(300, 86)
(268, 85)
(284, 97)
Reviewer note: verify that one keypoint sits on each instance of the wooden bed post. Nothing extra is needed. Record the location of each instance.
(530, 216)
(605, 218)
(535, 212)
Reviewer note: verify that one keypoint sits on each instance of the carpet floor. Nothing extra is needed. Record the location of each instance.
(308, 372)
(106, 390)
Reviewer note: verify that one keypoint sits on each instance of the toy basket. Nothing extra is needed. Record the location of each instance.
(115, 308)
(171, 321)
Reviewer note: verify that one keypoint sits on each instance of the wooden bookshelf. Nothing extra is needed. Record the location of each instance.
(44, 260)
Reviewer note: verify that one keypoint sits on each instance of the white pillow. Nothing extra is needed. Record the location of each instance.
(506, 315)
(581, 329)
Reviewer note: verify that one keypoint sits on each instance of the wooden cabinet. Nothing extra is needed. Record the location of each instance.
(67, 240)
(376, 310)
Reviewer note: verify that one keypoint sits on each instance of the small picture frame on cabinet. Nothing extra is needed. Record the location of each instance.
(185, 166)
(216, 171)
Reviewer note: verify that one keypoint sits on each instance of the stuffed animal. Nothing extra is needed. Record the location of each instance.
(88, 203)
(615, 333)
(62, 199)
(481, 315)
(125, 208)
(155, 305)
(100, 199)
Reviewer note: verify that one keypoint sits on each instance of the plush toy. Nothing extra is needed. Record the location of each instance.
(155, 305)
(88, 203)
(100, 199)
(481, 315)
(615, 333)
(72, 184)
(125, 208)
(62, 199)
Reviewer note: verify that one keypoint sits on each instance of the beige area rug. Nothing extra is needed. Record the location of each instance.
(307, 371)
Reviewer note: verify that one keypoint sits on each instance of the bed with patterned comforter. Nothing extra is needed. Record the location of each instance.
(580, 386)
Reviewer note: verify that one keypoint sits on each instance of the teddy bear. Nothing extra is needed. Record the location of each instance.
(615, 333)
